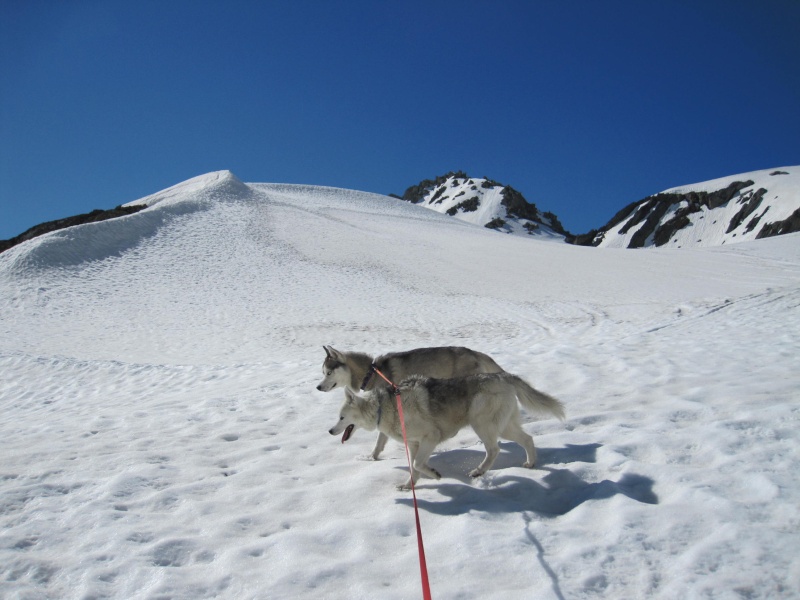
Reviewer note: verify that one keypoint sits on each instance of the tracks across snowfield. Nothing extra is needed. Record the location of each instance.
(163, 437)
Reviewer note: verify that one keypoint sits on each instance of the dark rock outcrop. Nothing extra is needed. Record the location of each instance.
(750, 204)
(416, 193)
(790, 225)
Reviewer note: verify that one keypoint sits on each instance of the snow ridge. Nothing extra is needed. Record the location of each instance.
(100, 240)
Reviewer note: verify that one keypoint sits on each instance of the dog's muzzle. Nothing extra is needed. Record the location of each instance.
(348, 431)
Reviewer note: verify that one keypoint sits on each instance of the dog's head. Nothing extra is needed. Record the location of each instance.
(349, 416)
(334, 370)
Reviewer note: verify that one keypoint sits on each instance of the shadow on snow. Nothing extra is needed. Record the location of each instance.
(556, 494)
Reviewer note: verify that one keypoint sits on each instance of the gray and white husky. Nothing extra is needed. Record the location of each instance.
(350, 370)
(437, 409)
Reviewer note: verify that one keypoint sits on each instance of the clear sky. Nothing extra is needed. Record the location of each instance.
(583, 106)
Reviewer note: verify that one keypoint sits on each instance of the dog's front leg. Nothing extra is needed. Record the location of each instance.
(413, 475)
(420, 453)
(424, 451)
(380, 444)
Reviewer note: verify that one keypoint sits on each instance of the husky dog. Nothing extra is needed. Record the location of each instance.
(437, 409)
(351, 370)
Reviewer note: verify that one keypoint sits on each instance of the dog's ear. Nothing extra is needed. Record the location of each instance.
(334, 354)
(327, 351)
(350, 397)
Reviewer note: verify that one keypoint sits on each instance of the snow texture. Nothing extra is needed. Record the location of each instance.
(162, 437)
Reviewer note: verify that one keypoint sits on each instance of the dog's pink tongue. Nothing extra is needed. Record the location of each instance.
(347, 433)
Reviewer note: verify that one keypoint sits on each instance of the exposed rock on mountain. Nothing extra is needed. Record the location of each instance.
(483, 201)
(733, 209)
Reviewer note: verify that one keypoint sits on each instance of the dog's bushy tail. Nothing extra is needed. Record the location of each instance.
(534, 400)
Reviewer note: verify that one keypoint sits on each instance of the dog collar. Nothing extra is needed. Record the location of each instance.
(368, 377)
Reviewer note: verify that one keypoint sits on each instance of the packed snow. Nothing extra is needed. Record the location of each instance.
(163, 438)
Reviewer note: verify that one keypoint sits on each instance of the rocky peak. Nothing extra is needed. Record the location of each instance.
(486, 202)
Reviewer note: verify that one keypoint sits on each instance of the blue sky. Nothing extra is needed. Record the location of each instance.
(584, 107)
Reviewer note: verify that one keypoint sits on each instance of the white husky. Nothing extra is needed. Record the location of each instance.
(353, 370)
(437, 409)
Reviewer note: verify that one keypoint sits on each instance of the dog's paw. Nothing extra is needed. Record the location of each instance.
(528, 465)
(475, 473)
(367, 458)
(436, 474)
(404, 487)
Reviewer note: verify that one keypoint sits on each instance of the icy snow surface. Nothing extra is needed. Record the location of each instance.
(162, 437)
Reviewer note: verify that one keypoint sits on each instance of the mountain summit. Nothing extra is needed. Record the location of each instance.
(484, 202)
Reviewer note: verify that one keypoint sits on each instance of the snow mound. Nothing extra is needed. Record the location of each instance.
(93, 242)
(221, 183)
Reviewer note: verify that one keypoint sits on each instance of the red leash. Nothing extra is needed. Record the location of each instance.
(423, 566)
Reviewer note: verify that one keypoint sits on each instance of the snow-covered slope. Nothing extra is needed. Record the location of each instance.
(485, 202)
(722, 211)
(162, 436)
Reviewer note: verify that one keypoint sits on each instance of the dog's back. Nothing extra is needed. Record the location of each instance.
(444, 362)
(455, 395)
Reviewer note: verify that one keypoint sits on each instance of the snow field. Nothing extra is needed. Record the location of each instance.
(163, 437)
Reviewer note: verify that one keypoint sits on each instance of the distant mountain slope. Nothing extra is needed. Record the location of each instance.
(484, 202)
(732, 209)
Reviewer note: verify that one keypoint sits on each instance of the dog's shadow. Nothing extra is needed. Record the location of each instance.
(555, 494)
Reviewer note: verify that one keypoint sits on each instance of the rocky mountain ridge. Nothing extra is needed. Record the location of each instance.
(733, 209)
